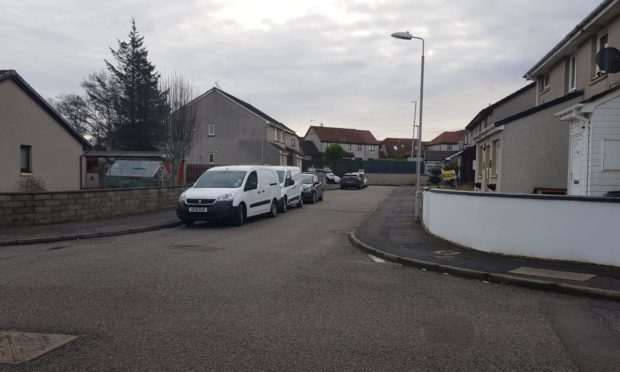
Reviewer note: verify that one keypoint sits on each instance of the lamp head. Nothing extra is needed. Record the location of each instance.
(402, 35)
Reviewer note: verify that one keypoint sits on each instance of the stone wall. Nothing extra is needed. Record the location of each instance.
(24, 209)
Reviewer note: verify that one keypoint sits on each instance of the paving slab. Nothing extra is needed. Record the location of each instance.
(18, 347)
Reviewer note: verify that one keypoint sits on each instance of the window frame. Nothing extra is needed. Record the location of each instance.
(211, 158)
(211, 130)
(28, 149)
(572, 73)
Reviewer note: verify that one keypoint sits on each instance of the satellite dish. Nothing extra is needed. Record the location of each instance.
(608, 60)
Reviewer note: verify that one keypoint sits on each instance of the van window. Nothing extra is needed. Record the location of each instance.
(252, 181)
(221, 179)
(280, 175)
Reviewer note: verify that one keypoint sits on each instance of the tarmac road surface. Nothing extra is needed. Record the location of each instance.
(282, 294)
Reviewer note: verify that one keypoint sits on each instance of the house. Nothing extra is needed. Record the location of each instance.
(591, 119)
(361, 144)
(38, 148)
(231, 131)
(441, 147)
(399, 148)
(309, 150)
(498, 156)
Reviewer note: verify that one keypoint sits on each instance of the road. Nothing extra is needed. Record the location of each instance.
(289, 293)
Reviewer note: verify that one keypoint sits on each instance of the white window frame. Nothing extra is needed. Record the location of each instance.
(293, 142)
(211, 158)
(211, 130)
(371, 148)
(359, 147)
(572, 73)
(599, 37)
(275, 134)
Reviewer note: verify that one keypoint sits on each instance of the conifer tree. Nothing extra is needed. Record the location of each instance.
(141, 106)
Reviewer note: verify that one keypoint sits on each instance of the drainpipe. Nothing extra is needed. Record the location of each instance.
(583, 118)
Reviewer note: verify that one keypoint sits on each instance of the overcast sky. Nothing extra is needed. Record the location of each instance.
(303, 62)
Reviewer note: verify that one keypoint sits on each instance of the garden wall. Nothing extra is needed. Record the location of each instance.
(24, 209)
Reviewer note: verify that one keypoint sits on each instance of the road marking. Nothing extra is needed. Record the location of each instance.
(567, 275)
(376, 259)
(18, 347)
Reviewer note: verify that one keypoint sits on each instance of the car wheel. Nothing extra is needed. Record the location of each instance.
(187, 222)
(341, 187)
(284, 206)
(359, 187)
(274, 209)
(313, 200)
(239, 216)
(300, 203)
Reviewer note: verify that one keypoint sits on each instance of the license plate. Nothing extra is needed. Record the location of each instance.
(198, 209)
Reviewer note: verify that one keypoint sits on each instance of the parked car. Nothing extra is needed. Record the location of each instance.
(233, 193)
(291, 186)
(351, 181)
(364, 179)
(332, 178)
(313, 188)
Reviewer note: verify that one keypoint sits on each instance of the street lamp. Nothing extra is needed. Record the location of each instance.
(407, 36)
(415, 110)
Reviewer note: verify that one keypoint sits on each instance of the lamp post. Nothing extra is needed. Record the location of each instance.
(415, 110)
(407, 36)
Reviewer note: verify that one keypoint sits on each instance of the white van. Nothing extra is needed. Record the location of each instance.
(233, 193)
(291, 186)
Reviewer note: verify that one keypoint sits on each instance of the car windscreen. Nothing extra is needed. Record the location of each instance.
(308, 178)
(221, 179)
(350, 177)
(280, 175)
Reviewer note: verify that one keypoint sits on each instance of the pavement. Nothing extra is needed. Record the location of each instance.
(88, 229)
(391, 233)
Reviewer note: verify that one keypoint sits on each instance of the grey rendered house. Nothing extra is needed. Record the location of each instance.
(37, 145)
(231, 131)
(441, 148)
(360, 144)
(592, 122)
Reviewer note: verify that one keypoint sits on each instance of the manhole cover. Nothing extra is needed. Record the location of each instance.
(19, 347)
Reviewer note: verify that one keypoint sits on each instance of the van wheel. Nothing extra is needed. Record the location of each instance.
(300, 203)
(284, 207)
(274, 209)
(239, 216)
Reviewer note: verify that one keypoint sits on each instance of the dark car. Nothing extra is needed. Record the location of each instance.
(313, 188)
(351, 181)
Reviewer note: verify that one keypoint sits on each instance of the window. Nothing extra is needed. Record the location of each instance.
(543, 83)
(275, 134)
(494, 154)
(359, 147)
(281, 136)
(371, 148)
(25, 159)
(601, 41)
(350, 147)
(293, 142)
(211, 130)
(211, 158)
(572, 73)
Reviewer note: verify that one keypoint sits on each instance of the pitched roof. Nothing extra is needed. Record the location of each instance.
(344, 135)
(488, 110)
(398, 147)
(580, 32)
(448, 137)
(17, 79)
(248, 107)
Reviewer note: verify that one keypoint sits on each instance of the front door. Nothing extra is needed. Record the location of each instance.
(576, 177)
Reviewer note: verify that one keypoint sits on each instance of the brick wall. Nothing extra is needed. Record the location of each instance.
(24, 209)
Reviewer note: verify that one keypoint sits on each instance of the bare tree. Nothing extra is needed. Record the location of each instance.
(75, 110)
(179, 127)
(101, 94)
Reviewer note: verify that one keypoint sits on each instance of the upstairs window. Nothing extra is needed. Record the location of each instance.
(572, 73)
(371, 148)
(601, 41)
(211, 130)
(293, 142)
(543, 83)
(25, 159)
(359, 147)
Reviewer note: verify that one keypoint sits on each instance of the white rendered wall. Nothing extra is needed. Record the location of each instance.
(559, 228)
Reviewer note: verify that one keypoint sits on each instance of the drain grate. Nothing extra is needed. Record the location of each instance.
(19, 347)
